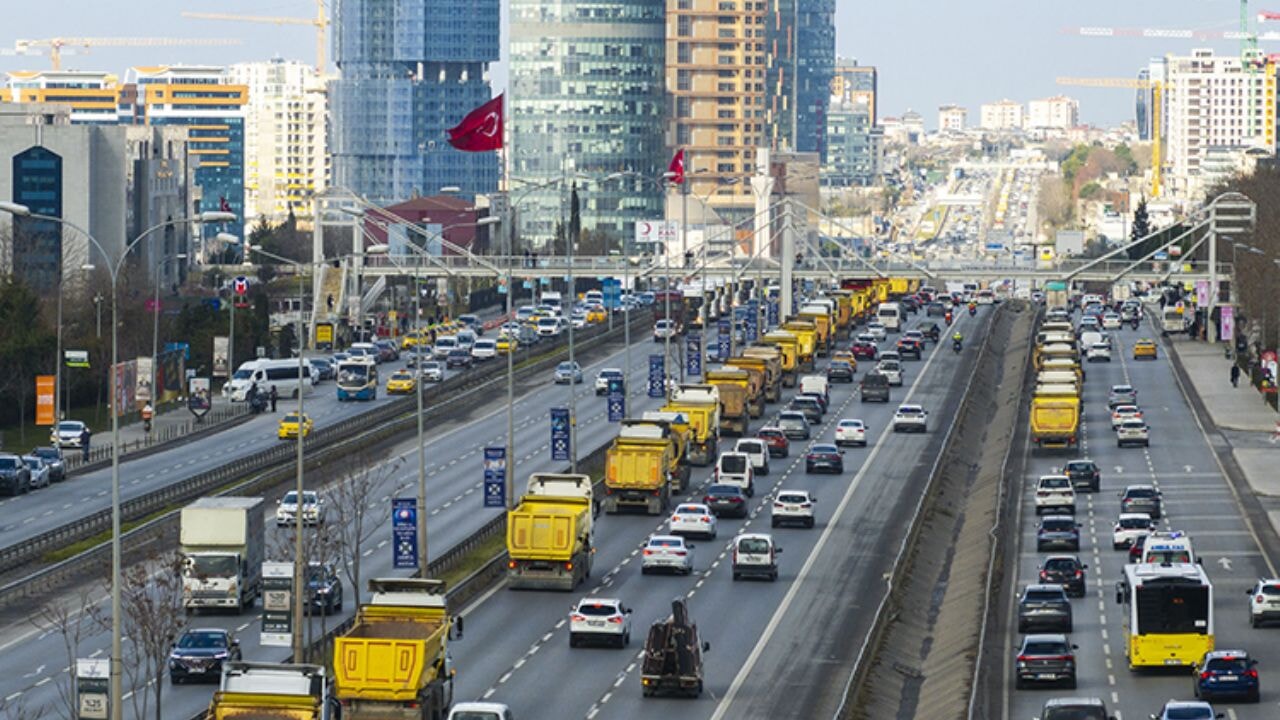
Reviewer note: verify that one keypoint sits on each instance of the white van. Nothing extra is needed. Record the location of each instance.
(817, 384)
(755, 554)
(735, 468)
(890, 316)
(283, 374)
(552, 299)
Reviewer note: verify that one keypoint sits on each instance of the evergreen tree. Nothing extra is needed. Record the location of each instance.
(1141, 222)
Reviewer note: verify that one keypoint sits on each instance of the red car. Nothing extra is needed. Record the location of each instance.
(864, 350)
(777, 442)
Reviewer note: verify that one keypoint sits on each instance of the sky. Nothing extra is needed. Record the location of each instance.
(928, 52)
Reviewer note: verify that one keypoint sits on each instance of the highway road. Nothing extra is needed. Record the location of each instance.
(28, 657)
(1198, 501)
(770, 643)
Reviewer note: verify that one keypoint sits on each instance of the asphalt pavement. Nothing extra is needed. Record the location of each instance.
(1199, 501)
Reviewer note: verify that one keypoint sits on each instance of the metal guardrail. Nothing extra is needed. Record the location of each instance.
(100, 454)
(262, 470)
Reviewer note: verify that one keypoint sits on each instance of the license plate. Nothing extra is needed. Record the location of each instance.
(1045, 676)
(793, 508)
(1228, 678)
(596, 623)
(1171, 661)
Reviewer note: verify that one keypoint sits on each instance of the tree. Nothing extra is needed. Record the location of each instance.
(70, 621)
(26, 345)
(359, 511)
(1141, 221)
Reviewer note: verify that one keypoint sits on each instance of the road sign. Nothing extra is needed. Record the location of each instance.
(93, 688)
(725, 339)
(617, 400)
(76, 358)
(560, 433)
(773, 313)
(753, 320)
(404, 532)
(657, 376)
(199, 398)
(495, 477)
(612, 290)
(277, 604)
(241, 285)
(693, 354)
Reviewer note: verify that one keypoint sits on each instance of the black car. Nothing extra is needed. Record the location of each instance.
(1084, 475)
(200, 653)
(840, 371)
(822, 399)
(935, 309)
(1045, 658)
(1067, 571)
(910, 304)
(811, 408)
(874, 387)
(931, 330)
(324, 589)
(726, 500)
(325, 369)
(52, 459)
(909, 347)
(15, 478)
(824, 458)
(458, 357)
(1044, 607)
(1058, 532)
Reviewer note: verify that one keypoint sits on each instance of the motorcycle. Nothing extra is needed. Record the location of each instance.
(957, 346)
(1134, 323)
(973, 310)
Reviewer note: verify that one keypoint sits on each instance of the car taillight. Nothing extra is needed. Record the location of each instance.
(778, 505)
(647, 551)
(1022, 658)
(616, 620)
(511, 564)
(1251, 673)
(1079, 573)
(1206, 675)
(1044, 574)
(577, 618)
(1259, 599)
(568, 566)
(675, 518)
(706, 518)
(708, 499)
(679, 553)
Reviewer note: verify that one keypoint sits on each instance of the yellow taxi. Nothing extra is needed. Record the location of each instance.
(401, 382)
(1144, 348)
(506, 344)
(846, 356)
(289, 426)
(597, 314)
(414, 338)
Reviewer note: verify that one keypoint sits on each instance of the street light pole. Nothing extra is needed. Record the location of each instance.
(155, 326)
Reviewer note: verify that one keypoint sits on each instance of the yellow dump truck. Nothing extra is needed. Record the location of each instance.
(549, 534)
(757, 376)
(643, 467)
(807, 335)
(700, 405)
(820, 314)
(768, 358)
(789, 347)
(393, 662)
(844, 311)
(252, 691)
(1055, 417)
(1051, 351)
(734, 389)
(898, 287)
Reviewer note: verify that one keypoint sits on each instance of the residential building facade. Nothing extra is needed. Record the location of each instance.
(92, 96)
(855, 150)
(855, 83)
(1002, 115)
(1058, 112)
(952, 118)
(410, 70)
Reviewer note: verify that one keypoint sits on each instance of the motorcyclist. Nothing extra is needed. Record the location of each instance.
(147, 413)
(973, 308)
(957, 341)
(947, 317)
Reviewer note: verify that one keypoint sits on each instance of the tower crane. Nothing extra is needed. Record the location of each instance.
(319, 22)
(58, 45)
(1157, 107)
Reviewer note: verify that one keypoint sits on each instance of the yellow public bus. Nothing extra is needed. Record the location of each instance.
(1168, 614)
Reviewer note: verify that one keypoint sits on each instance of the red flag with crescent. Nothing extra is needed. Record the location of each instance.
(480, 130)
(676, 168)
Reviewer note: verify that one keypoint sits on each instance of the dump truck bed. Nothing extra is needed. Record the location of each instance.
(261, 706)
(390, 653)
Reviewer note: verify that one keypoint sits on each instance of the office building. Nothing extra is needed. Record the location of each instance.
(952, 119)
(1143, 105)
(855, 83)
(92, 96)
(815, 68)
(410, 70)
(1058, 112)
(1003, 115)
(855, 147)
(212, 108)
(587, 99)
(285, 147)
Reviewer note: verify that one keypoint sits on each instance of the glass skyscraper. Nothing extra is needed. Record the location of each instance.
(815, 66)
(587, 98)
(410, 70)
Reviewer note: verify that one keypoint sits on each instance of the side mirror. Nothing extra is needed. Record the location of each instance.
(1075, 647)
(1084, 567)
(706, 646)
(777, 551)
(235, 643)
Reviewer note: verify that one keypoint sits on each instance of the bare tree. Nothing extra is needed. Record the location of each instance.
(70, 621)
(17, 709)
(360, 512)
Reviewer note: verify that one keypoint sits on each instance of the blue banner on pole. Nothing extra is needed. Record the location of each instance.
(404, 532)
(753, 320)
(495, 477)
(724, 340)
(616, 400)
(693, 354)
(773, 313)
(657, 376)
(559, 433)
(612, 290)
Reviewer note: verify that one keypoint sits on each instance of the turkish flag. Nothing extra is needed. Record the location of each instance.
(676, 168)
(480, 130)
(223, 205)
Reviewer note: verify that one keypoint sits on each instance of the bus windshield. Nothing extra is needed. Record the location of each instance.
(1165, 609)
(354, 373)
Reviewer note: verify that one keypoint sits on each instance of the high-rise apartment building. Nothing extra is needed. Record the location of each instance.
(952, 118)
(1058, 112)
(1213, 102)
(855, 150)
(212, 108)
(285, 147)
(587, 99)
(855, 83)
(410, 69)
(1002, 115)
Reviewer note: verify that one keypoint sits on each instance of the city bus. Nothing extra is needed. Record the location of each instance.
(1168, 614)
(358, 379)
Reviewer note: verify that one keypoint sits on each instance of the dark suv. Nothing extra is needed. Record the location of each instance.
(200, 654)
(874, 387)
(1227, 674)
(1141, 499)
(1084, 475)
(1044, 607)
(15, 478)
(1075, 708)
(1067, 571)
(1045, 658)
(324, 589)
(776, 440)
(1058, 532)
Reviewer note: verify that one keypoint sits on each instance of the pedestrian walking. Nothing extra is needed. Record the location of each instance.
(274, 396)
(1235, 375)
(84, 443)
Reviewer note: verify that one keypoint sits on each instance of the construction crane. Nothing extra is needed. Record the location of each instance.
(1172, 34)
(58, 45)
(1157, 107)
(319, 22)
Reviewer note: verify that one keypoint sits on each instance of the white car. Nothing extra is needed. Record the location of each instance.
(1120, 413)
(692, 519)
(1099, 352)
(891, 369)
(484, 349)
(1133, 432)
(1264, 602)
(1129, 528)
(1055, 495)
(757, 450)
(851, 431)
(432, 371)
(793, 506)
(602, 379)
(876, 331)
(1110, 321)
(549, 326)
(443, 345)
(66, 434)
(666, 552)
(313, 511)
(600, 619)
(664, 329)
(39, 471)
(911, 418)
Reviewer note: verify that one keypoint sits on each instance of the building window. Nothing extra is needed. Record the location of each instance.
(726, 167)
(684, 80)
(684, 26)
(684, 53)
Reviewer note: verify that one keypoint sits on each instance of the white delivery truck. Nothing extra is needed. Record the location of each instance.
(222, 543)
